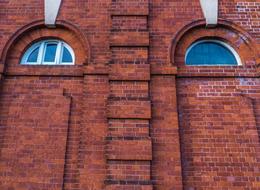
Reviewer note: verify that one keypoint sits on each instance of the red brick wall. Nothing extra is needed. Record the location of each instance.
(244, 13)
(35, 115)
(220, 141)
(129, 114)
(165, 134)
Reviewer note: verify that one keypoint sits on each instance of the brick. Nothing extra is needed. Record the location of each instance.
(127, 109)
(129, 55)
(129, 39)
(129, 89)
(129, 170)
(130, 7)
(128, 128)
(35, 134)
(129, 23)
(129, 150)
(130, 72)
(129, 187)
(225, 114)
(164, 132)
(57, 122)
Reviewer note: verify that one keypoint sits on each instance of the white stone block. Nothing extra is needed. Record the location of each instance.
(51, 10)
(210, 11)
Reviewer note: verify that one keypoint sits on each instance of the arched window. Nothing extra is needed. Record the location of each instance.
(211, 52)
(49, 52)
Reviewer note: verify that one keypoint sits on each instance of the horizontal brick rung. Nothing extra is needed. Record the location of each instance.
(129, 90)
(128, 182)
(129, 170)
(130, 7)
(110, 138)
(129, 23)
(129, 55)
(136, 72)
(129, 109)
(129, 39)
(129, 150)
(128, 128)
(129, 187)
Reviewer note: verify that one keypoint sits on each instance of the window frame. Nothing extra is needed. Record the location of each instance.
(230, 48)
(42, 50)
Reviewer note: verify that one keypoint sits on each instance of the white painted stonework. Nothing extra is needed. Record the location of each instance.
(51, 10)
(210, 11)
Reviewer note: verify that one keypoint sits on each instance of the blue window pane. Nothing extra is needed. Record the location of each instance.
(210, 53)
(50, 53)
(66, 56)
(33, 56)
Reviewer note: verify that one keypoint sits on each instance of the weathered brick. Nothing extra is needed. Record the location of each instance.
(129, 187)
(129, 39)
(129, 89)
(129, 170)
(129, 150)
(129, 55)
(127, 109)
(129, 23)
(62, 125)
(128, 128)
(133, 72)
(130, 7)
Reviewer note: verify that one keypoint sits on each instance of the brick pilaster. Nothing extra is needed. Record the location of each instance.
(129, 146)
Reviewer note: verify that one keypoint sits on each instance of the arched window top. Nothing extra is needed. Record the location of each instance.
(211, 53)
(49, 52)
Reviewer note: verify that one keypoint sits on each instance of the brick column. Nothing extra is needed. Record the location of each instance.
(256, 105)
(1, 71)
(166, 164)
(129, 147)
(92, 162)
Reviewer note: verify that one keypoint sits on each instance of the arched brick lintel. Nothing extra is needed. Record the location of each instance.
(37, 30)
(186, 32)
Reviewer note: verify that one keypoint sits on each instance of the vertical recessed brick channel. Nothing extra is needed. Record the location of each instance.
(129, 146)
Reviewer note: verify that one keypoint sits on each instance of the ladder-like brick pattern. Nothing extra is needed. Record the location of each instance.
(129, 146)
